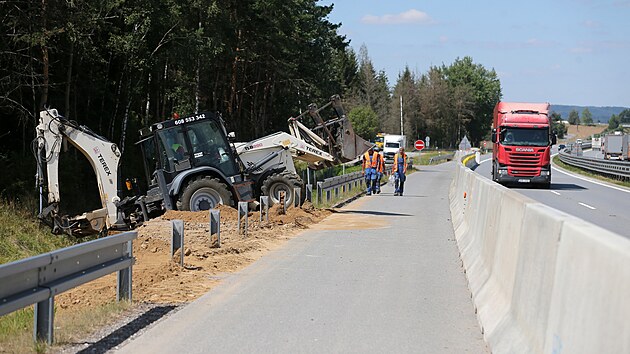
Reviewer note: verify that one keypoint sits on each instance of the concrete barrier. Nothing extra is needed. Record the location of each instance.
(590, 305)
(541, 280)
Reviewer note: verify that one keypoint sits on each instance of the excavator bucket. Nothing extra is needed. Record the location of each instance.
(336, 136)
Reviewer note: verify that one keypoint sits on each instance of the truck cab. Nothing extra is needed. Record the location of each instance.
(391, 144)
(522, 140)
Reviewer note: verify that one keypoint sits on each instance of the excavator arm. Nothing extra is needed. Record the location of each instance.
(103, 155)
(271, 148)
(336, 136)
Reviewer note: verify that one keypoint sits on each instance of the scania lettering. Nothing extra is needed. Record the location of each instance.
(522, 140)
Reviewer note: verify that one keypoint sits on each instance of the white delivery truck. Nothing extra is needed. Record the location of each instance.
(615, 147)
(391, 144)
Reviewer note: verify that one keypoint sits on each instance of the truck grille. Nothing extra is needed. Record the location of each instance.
(524, 159)
(524, 163)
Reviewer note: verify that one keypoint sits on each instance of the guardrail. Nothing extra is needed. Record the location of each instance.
(438, 158)
(617, 169)
(339, 184)
(38, 279)
(331, 188)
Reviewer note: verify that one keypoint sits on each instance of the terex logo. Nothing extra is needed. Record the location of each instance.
(524, 149)
(101, 159)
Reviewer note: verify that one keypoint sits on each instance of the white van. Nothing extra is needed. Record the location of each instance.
(391, 144)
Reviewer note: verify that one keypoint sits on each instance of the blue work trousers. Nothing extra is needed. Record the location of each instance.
(370, 177)
(399, 182)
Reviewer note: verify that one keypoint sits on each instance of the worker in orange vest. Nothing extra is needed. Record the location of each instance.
(370, 162)
(380, 167)
(399, 169)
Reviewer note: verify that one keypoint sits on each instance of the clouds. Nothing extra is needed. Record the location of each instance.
(412, 16)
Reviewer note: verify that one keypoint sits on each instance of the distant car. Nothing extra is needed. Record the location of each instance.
(562, 147)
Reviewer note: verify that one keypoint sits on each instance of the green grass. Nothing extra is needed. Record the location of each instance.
(590, 174)
(16, 332)
(21, 235)
(425, 157)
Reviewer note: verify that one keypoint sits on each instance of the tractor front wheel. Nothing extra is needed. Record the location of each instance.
(204, 193)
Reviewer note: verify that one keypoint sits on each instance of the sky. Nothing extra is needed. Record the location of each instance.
(572, 52)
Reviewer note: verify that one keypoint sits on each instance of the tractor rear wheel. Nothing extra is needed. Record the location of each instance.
(285, 181)
(204, 193)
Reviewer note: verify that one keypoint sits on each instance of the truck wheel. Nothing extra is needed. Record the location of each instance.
(204, 193)
(282, 182)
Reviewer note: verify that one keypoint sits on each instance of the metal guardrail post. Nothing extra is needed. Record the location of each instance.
(242, 218)
(309, 193)
(124, 277)
(282, 197)
(215, 225)
(297, 197)
(177, 239)
(328, 195)
(264, 208)
(44, 318)
(319, 192)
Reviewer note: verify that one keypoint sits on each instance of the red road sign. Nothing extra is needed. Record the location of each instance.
(419, 145)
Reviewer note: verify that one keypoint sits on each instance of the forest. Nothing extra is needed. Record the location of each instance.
(116, 66)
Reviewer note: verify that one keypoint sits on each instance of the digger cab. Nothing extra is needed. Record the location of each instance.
(177, 152)
(177, 145)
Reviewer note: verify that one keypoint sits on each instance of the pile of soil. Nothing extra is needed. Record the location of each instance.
(158, 278)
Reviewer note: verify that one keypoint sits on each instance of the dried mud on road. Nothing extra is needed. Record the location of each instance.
(159, 278)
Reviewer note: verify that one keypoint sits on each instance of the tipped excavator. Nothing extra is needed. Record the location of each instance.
(190, 164)
(269, 160)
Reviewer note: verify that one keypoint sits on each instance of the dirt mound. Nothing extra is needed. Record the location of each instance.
(158, 277)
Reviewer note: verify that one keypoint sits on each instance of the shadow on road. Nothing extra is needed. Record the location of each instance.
(554, 187)
(123, 333)
(566, 186)
(369, 212)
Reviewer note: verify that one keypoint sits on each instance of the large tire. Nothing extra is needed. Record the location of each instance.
(284, 181)
(204, 193)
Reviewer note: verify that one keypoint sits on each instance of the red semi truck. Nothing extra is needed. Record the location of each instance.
(522, 137)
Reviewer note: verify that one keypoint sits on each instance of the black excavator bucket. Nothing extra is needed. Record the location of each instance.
(336, 136)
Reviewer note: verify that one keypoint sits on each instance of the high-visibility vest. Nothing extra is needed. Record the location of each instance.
(395, 167)
(380, 162)
(367, 160)
(374, 161)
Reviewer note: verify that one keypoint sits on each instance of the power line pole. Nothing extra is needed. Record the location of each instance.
(401, 117)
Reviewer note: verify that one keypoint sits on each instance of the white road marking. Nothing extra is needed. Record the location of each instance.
(587, 206)
(591, 180)
(482, 161)
(554, 192)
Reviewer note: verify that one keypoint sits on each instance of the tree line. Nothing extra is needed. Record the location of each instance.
(615, 122)
(446, 103)
(116, 66)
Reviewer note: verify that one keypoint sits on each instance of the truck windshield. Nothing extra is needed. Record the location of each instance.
(525, 136)
(392, 145)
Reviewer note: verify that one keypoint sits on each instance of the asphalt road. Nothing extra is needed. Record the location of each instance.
(602, 204)
(381, 276)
